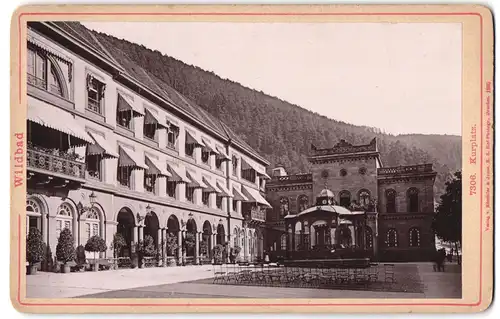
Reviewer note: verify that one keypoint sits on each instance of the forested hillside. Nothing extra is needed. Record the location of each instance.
(283, 132)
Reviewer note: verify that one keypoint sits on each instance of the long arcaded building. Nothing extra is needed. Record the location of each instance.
(113, 149)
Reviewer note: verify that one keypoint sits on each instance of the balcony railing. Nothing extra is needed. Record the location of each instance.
(56, 162)
(171, 145)
(42, 84)
(292, 178)
(256, 213)
(421, 168)
(94, 105)
(370, 207)
(94, 174)
(55, 89)
(38, 82)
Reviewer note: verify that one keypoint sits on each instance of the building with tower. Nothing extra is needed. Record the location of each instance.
(350, 200)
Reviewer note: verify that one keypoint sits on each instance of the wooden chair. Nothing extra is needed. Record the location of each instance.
(342, 275)
(389, 273)
(373, 273)
(219, 274)
(232, 273)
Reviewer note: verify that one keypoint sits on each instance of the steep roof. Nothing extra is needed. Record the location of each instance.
(81, 33)
(100, 44)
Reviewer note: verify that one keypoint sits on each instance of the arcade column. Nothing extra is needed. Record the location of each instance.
(179, 250)
(197, 248)
(353, 235)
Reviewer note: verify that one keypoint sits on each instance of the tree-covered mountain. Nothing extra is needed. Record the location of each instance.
(283, 132)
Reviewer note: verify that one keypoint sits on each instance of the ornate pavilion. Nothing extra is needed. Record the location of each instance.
(320, 230)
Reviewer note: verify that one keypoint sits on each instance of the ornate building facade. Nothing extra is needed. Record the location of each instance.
(112, 149)
(398, 202)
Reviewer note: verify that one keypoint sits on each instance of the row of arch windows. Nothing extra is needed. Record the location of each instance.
(64, 219)
(411, 200)
(251, 242)
(359, 231)
(364, 198)
(302, 201)
(391, 239)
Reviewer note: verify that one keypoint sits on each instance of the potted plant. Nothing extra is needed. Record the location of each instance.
(203, 252)
(65, 250)
(96, 244)
(35, 250)
(203, 248)
(81, 260)
(225, 252)
(171, 248)
(48, 262)
(117, 244)
(235, 251)
(217, 252)
(148, 249)
(163, 253)
(188, 245)
(139, 254)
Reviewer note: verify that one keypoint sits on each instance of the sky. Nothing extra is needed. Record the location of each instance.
(400, 77)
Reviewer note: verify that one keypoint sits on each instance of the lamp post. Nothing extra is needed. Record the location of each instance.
(148, 214)
(82, 208)
(92, 199)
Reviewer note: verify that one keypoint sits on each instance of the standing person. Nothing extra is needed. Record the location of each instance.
(442, 258)
(435, 260)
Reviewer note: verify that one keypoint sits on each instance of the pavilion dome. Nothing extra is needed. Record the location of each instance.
(326, 193)
(325, 197)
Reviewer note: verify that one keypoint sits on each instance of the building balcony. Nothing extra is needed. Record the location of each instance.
(412, 169)
(370, 207)
(255, 215)
(291, 179)
(43, 85)
(94, 105)
(54, 166)
(50, 93)
(38, 82)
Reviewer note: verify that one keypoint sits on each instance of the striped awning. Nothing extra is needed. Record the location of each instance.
(191, 138)
(257, 168)
(152, 118)
(238, 195)
(178, 173)
(101, 146)
(195, 180)
(129, 157)
(222, 154)
(31, 38)
(127, 104)
(254, 196)
(224, 191)
(212, 186)
(209, 145)
(156, 167)
(57, 119)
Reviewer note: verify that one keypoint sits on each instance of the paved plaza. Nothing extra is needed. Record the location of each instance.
(195, 282)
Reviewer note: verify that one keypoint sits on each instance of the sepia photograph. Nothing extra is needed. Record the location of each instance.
(244, 159)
